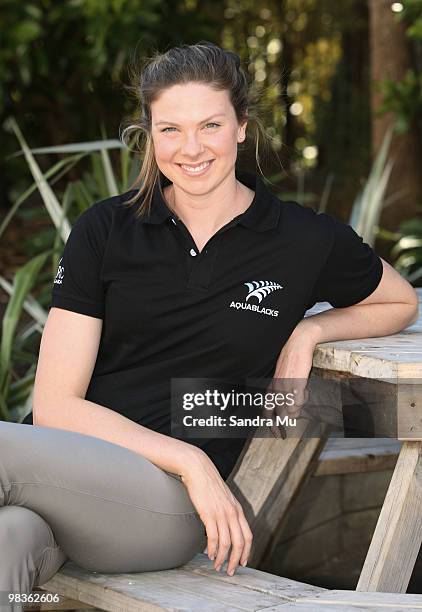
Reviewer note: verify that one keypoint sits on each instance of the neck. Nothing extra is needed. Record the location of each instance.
(208, 212)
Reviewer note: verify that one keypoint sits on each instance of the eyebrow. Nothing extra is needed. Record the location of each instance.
(203, 121)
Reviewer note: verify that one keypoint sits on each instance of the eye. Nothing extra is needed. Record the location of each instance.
(172, 128)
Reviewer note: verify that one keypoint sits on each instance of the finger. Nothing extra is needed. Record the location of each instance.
(247, 537)
(223, 542)
(237, 541)
(212, 539)
(275, 431)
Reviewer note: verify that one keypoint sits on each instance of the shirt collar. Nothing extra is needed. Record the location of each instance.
(262, 214)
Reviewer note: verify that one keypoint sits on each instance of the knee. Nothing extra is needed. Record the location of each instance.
(24, 536)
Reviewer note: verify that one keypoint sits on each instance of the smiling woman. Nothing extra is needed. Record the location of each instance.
(197, 272)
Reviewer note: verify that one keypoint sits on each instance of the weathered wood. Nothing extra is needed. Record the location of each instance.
(398, 356)
(63, 604)
(409, 421)
(379, 601)
(195, 586)
(357, 455)
(255, 579)
(267, 481)
(398, 534)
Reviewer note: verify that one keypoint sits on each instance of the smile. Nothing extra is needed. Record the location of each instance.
(196, 170)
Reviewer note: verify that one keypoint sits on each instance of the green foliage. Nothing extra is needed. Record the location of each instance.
(64, 64)
(404, 99)
(409, 250)
(412, 15)
(18, 347)
(368, 205)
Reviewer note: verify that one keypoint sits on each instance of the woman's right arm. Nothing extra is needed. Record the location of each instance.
(68, 351)
(67, 356)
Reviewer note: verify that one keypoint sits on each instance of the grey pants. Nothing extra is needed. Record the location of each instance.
(66, 495)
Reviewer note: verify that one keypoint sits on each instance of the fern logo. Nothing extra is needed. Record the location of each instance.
(261, 289)
(258, 290)
(60, 273)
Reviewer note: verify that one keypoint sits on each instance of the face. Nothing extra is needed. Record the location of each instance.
(195, 135)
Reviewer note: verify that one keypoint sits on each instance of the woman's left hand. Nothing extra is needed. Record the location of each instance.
(294, 362)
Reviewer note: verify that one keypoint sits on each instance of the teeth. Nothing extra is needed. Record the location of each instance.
(195, 168)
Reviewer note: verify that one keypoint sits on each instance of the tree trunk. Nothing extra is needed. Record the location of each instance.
(390, 58)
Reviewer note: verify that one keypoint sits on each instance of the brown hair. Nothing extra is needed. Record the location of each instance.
(203, 62)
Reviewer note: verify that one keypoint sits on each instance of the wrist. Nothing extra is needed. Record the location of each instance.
(197, 462)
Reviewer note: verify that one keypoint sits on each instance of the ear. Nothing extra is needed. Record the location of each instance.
(241, 133)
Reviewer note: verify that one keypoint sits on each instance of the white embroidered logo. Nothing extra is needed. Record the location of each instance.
(60, 273)
(258, 290)
(261, 289)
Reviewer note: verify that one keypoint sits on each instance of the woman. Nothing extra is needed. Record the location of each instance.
(158, 283)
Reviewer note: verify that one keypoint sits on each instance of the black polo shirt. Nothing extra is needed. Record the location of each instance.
(171, 311)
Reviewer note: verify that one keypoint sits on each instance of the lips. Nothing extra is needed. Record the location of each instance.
(190, 170)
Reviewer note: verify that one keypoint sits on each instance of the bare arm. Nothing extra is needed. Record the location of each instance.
(83, 416)
(388, 310)
(68, 351)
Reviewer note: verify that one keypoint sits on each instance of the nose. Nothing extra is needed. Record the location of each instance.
(192, 146)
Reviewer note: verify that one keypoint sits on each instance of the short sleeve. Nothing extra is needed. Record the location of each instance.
(77, 285)
(350, 272)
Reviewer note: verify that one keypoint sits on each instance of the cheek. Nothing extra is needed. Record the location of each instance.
(164, 149)
(224, 143)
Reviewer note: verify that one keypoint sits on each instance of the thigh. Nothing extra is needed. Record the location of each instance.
(110, 509)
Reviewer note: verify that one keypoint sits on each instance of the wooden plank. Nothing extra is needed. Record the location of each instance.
(397, 601)
(254, 579)
(195, 586)
(63, 604)
(267, 481)
(353, 455)
(409, 410)
(299, 606)
(398, 534)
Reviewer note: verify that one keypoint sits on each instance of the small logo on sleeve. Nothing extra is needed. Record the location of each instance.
(258, 290)
(60, 273)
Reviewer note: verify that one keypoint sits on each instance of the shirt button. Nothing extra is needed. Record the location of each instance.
(192, 252)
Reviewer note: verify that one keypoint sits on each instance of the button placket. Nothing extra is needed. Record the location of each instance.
(200, 264)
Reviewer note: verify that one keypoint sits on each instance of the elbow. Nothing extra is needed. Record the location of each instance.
(41, 413)
(38, 415)
(415, 316)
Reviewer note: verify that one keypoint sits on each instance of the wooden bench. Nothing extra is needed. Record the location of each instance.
(197, 587)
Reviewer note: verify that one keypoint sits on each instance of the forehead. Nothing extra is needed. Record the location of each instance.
(189, 99)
